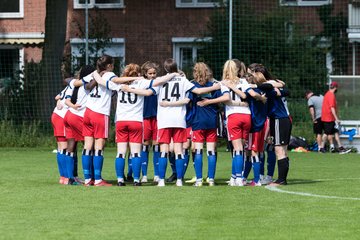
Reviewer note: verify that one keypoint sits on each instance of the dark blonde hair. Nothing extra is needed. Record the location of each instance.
(131, 70)
(202, 73)
(259, 78)
(147, 66)
(241, 66)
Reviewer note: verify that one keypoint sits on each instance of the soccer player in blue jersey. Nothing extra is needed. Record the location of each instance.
(204, 123)
(149, 71)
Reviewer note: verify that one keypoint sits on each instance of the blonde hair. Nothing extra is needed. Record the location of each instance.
(230, 71)
(131, 70)
(202, 73)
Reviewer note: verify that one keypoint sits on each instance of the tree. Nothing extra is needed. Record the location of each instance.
(51, 81)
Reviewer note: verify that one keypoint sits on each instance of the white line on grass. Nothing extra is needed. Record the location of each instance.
(276, 189)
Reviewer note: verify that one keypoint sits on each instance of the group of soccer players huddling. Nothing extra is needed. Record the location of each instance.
(175, 117)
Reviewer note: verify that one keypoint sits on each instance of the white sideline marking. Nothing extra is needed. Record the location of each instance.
(276, 189)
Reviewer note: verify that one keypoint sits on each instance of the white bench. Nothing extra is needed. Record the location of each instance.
(347, 125)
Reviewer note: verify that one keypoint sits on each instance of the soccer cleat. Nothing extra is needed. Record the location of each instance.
(244, 182)
(207, 180)
(90, 183)
(343, 150)
(211, 182)
(79, 180)
(171, 178)
(193, 180)
(121, 184)
(161, 183)
(267, 180)
(255, 184)
(156, 179)
(73, 182)
(65, 181)
(332, 150)
(61, 180)
(179, 183)
(278, 182)
(322, 150)
(198, 184)
(103, 183)
(144, 179)
(137, 183)
(129, 178)
(231, 182)
(239, 182)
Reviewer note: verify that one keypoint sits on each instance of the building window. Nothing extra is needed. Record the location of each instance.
(304, 2)
(11, 65)
(186, 51)
(116, 49)
(197, 3)
(79, 4)
(12, 9)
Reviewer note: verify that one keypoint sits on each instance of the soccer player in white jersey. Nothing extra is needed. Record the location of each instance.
(57, 121)
(96, 122)
(171, 120)
(238, 116)
(74, 119)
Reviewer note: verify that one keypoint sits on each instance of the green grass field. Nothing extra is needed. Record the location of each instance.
(34, 206)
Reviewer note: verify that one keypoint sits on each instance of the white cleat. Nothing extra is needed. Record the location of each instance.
(144, 179)
(156, 179)
(198, 183)
(239, 182)
(231, 182)
(267, 180)
(211, 182)
(179, 183)
(161, 183)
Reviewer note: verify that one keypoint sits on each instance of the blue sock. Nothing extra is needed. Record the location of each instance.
(98, 164)
(136, 166)
(130, 170)
(120, 166)
(63, 163)
(239, 163)
(233, 173)
(156, 155)
(256, 166)
(69, 158)
(87, 164)
(144, 160)
(271, 162)
(162, 165)
(198, 163)
(172, 162)
(211, 164)
(179, 163)
(186, 161)
(262, 163)
(247, 167)
(58, 160)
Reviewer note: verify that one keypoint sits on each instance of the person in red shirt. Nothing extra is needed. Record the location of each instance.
(330, 118)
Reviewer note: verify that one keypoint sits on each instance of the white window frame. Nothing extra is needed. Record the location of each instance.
(19, 14)
(92, 4)
(115, 49)
(186, 42)
(195, 4)
(304, 3)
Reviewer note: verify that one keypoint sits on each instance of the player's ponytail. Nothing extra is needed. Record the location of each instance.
(103, 62)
